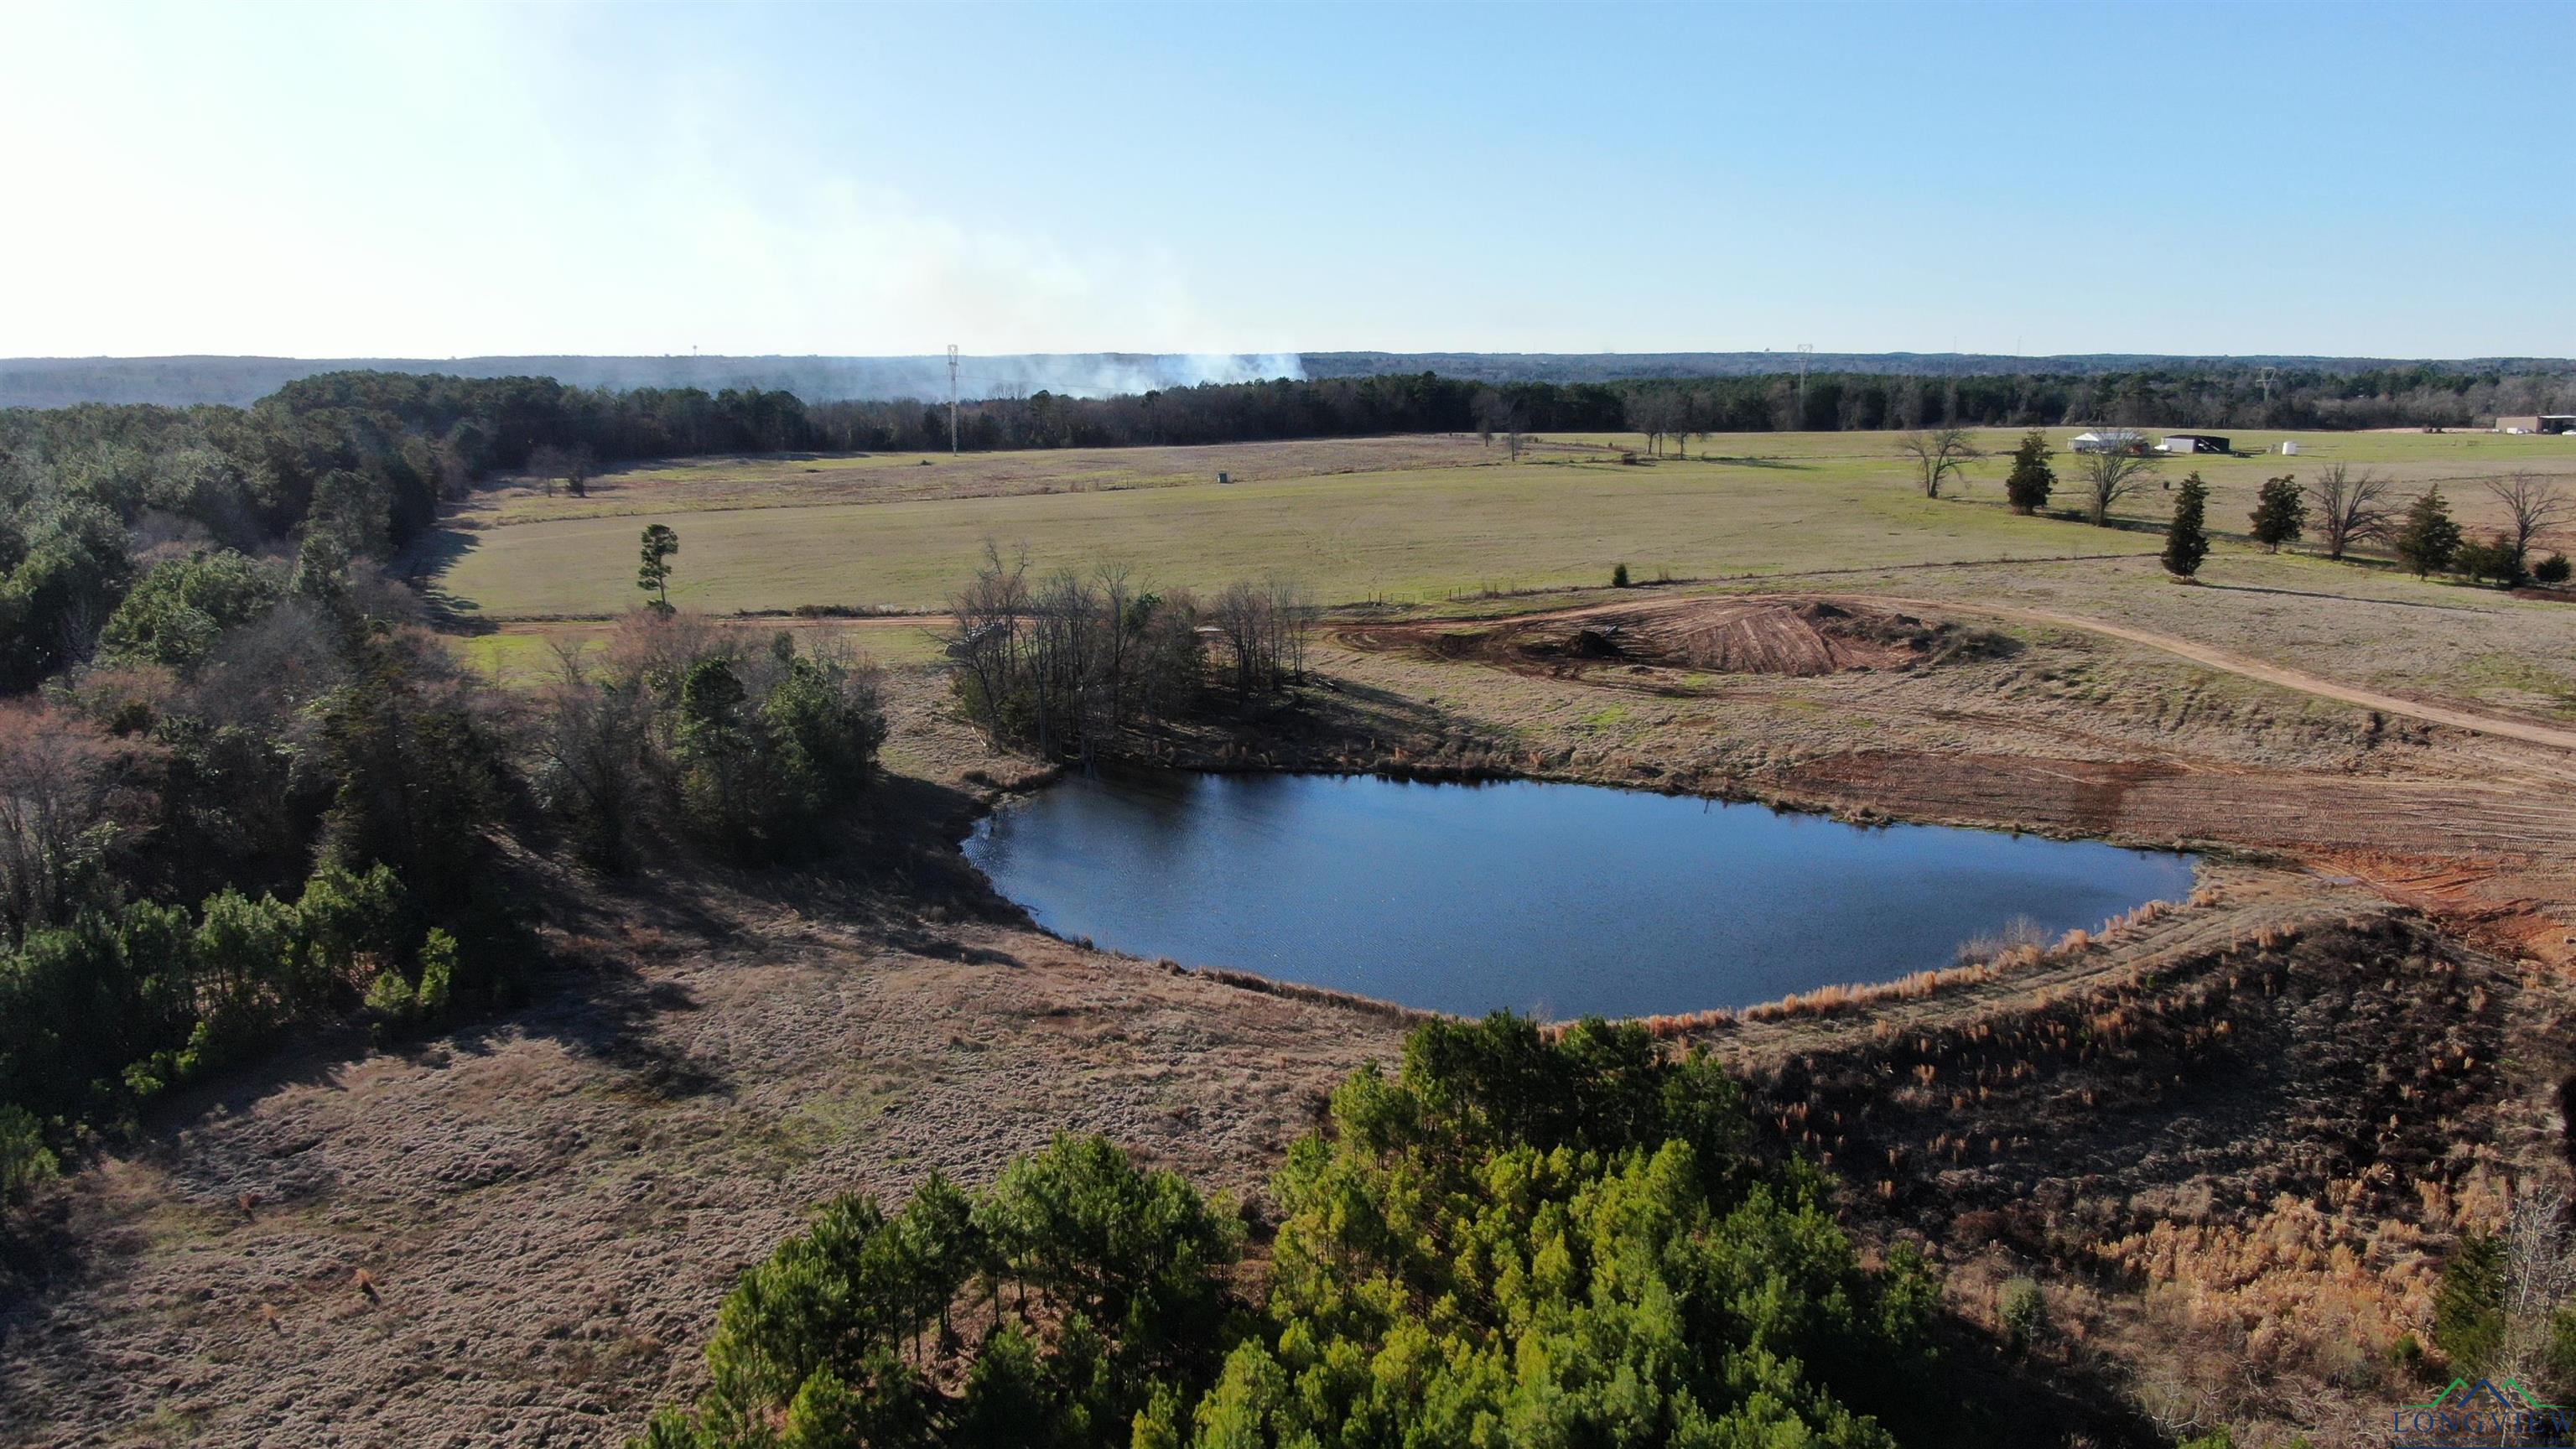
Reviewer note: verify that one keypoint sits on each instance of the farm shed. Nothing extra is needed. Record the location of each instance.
(2556, 423)
(2193, 443)
(2109, 440)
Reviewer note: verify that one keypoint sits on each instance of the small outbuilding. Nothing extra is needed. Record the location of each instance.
(2556, 423)
(2193, 443)
(2109, 440)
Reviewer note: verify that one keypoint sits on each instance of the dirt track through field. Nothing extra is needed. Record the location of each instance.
(2255, 669)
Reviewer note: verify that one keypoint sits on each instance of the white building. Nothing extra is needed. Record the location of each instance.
(2110, 440)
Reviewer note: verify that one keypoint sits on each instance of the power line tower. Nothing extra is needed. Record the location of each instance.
(2266, 378)
(1806, 354)
(952, 399)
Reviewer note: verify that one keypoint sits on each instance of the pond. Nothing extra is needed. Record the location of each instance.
(1560, 900)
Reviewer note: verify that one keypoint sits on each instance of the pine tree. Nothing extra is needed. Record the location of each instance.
(2280, 513)
(2186, 539)
(2027, 486)
(655, 576)
(2428, 540)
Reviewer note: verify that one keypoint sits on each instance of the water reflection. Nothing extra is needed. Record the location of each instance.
(1560, 899)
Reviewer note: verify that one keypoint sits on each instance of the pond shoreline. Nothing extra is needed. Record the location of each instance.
(1558, 898)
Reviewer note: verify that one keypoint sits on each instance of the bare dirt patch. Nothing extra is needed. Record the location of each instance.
(1640, 644)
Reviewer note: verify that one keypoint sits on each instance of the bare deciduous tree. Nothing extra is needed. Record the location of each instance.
(1656, 415)
(1489, 409)
(573, 465)
(2109, 476)
(1069, 663)
(1938, 454)
(984, 647)
(2532, 505)
(591, 738)
(2539, 1278)
(1265, 625)
(2351, 507)
(55, 773)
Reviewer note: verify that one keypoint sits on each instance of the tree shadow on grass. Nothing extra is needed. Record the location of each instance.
(2344, 598)
(1785, 465)
(427, 562)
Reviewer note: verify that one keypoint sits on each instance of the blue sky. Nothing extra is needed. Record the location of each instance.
(439, 179)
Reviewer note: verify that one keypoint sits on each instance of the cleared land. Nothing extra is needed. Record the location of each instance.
(805, 479)
(1411, 535)
(1827, 510)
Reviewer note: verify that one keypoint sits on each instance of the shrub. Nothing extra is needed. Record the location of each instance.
(2280, 513)
(349, 920)
(1619, 577)
(390, 996)
(437, 975)
(2553, 570)
(1106, 1282)
(2031, 480)
(2487, 559)
(1520, 1237)
(25, 1162)
(2024, 1313)
(2427, 540)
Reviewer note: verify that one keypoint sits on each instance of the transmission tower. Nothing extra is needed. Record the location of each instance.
(952, 399)
(1806, 354)
(2266, 378)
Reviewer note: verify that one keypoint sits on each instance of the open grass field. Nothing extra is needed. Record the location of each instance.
(1428, 521)
(524, 654)
(1410, 519)
(1411, 535)
(799, 480)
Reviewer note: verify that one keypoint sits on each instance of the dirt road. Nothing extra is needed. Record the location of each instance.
(2219, 659)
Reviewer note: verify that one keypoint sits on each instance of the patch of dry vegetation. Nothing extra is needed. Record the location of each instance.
(2237, 1168)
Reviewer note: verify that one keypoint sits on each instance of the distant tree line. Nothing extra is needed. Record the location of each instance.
(2419, 396)
(1681, 408)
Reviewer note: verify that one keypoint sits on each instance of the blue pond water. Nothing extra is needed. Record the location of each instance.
(1562, 900)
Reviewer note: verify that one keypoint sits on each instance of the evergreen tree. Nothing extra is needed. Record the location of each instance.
(655, 576)
(2428, 540)
(2280, 513)
(2186, 538)
(2028, 485)
(1514, 1239)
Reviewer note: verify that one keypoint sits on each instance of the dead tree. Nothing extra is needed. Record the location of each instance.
(1939, 454)
(2532, 505)
(2109, 476)
(2351, 507)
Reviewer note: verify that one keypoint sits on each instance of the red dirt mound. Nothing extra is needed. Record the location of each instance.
(1789, 636)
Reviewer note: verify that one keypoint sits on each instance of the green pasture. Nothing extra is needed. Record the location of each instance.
(1414, 535)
